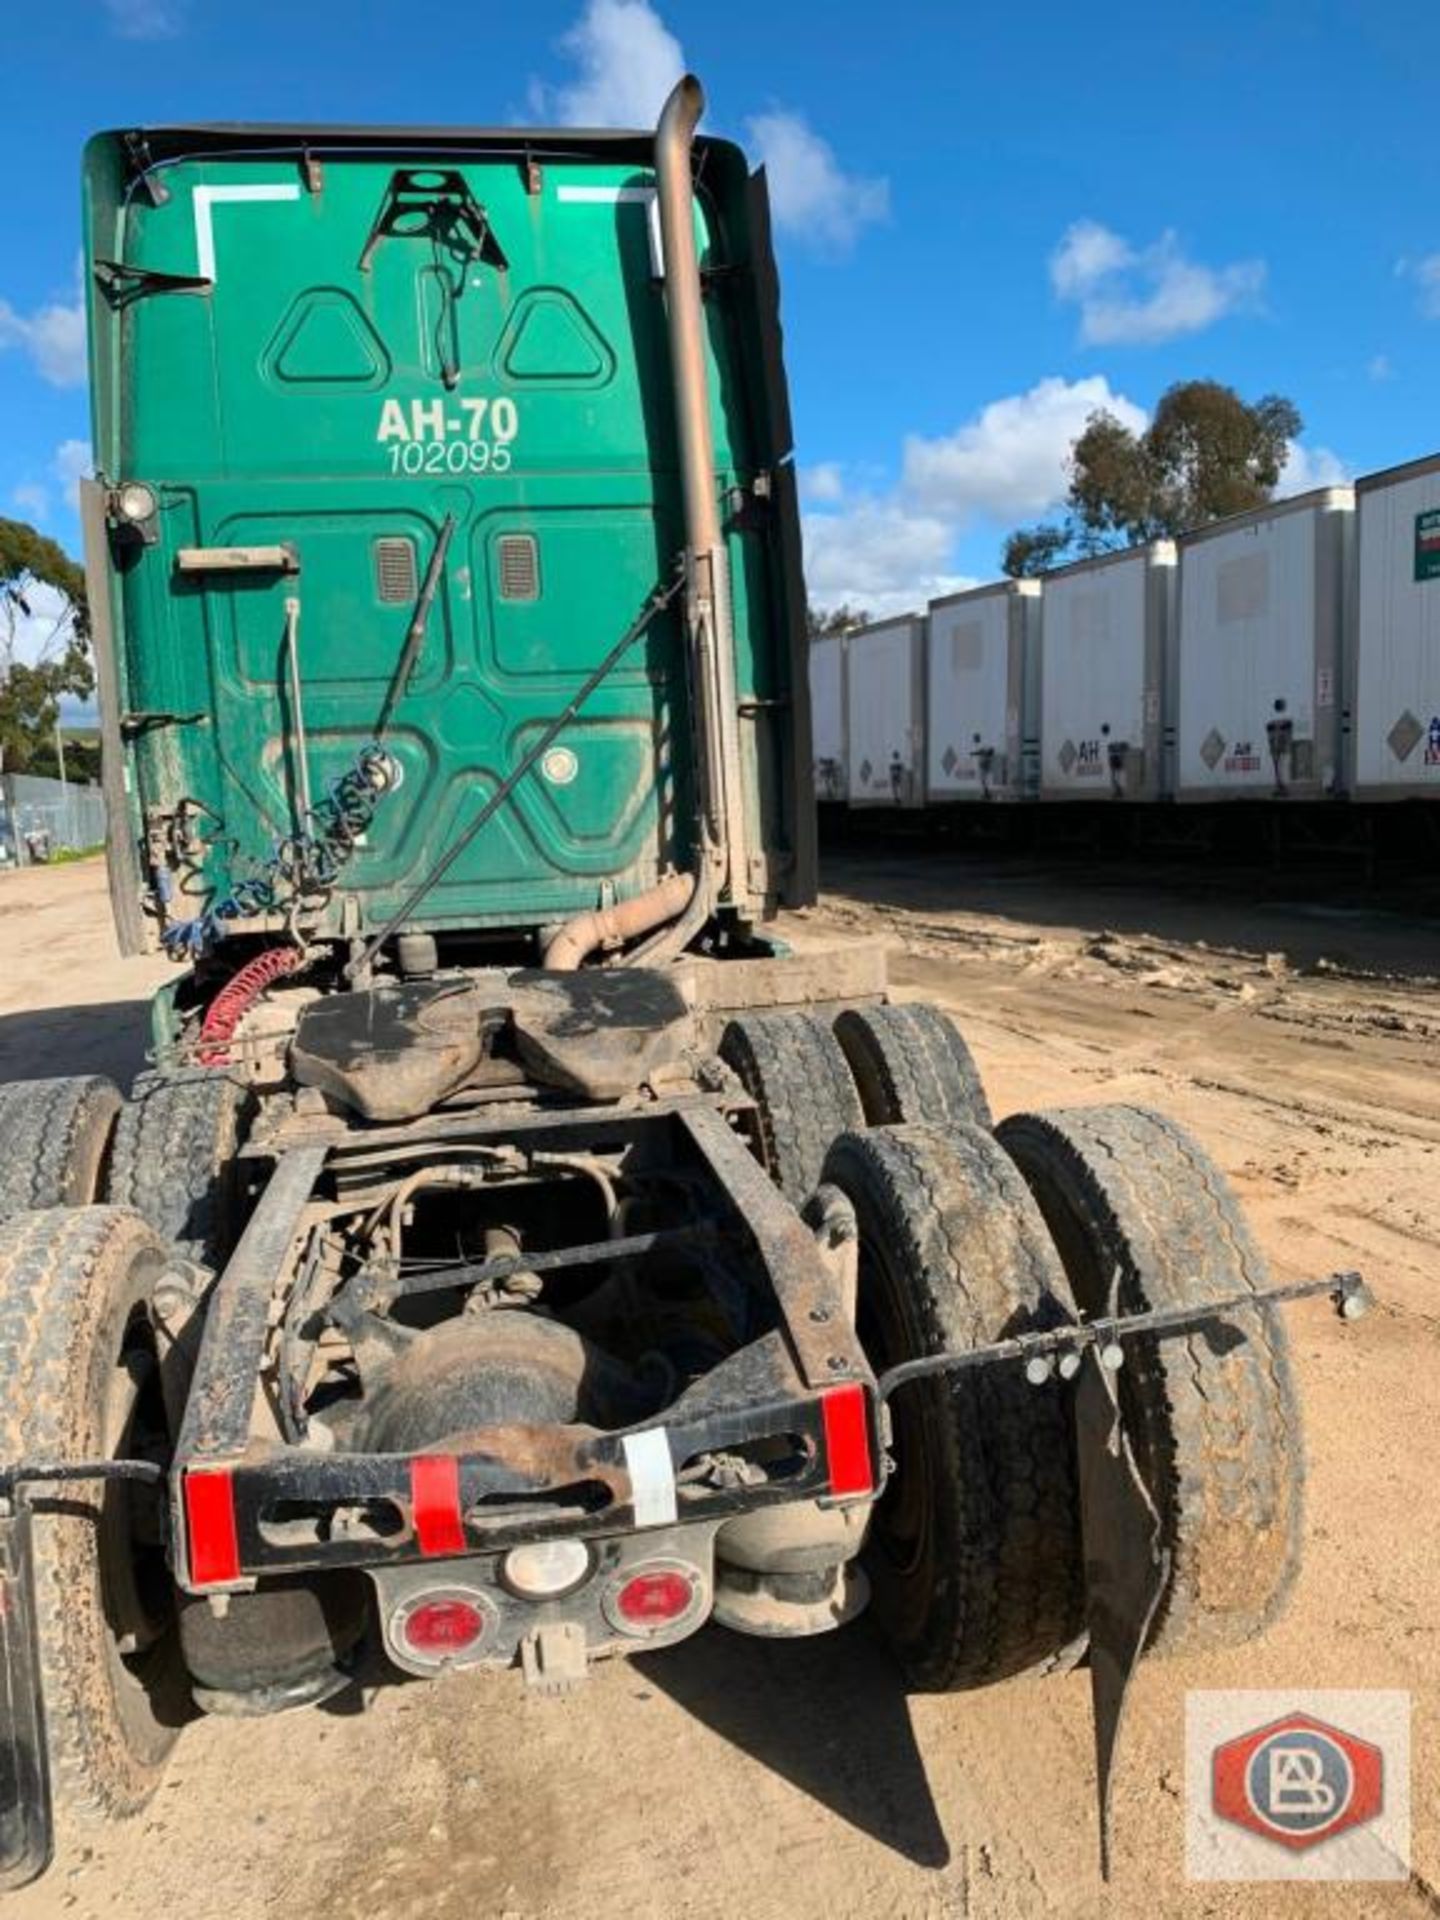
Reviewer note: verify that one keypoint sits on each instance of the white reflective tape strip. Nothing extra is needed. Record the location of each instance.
(602, 196)
(207, 198)
(623, 196)
(652, 1477)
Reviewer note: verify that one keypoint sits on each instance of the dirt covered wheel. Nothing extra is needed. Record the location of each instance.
(973, 1552)
(54, 1136)
(910, 1063)
(1213, 1415)
(173, 1159)
(78, 1380)
(792, 1067)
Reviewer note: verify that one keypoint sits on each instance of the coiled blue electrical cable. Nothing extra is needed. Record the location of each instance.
(301, 872)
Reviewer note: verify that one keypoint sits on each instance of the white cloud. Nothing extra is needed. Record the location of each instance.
(53, 335)
(37, 630)
(811, 195)
(823, 483)
(1425, 272)
(627, 60)
(146, 19)
(1140, 296)
(1012, 459)
(74, 461)
(880, 556)
(1310, 467)
(1380, 367)
(1087, 255)
(33, 501)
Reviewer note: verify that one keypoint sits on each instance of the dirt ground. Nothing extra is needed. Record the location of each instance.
(781, 1781)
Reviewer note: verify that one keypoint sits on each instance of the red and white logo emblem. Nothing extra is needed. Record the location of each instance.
(1298, 1781)
(1306, 1784)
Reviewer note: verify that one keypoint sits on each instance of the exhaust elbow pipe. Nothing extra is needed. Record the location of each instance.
(572, 943)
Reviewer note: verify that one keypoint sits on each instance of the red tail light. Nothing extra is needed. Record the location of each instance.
(655, 1598)
(440, 1627)
(847, 1440)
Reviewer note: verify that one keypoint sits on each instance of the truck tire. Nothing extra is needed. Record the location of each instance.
(174, 1158)
(1214, 1421)
(910, 1063)
(792, 1067)
(54, 1136)
(78, 1381)
(974, 1547)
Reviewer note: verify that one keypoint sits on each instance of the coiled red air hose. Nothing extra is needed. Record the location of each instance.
(237, 996)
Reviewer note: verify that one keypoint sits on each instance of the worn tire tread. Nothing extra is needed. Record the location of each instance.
(977, 1264)
(911, 1063)
(173, 1156)
(791, 1065)
(57, 1279)
(1219, 1432)
(54, 1139)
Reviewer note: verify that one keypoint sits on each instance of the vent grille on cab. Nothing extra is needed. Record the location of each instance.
(395, 577)
(519, 567)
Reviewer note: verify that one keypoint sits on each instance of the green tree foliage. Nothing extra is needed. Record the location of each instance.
(841, 619)
(54, 662)
(1035, 550)
(1206, 454)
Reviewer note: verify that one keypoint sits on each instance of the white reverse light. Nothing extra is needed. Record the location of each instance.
(548, 1567)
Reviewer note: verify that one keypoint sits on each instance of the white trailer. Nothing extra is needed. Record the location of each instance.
(983, 692)
(885, 713)
(1393, 682)
(1256, 674)
(1105, 641)
(827, 716)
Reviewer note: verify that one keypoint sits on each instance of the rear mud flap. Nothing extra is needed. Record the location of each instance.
(26, 1826)
(1126, 1566)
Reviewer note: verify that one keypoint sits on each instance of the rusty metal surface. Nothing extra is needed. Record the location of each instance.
(392, 1052)
(522, 1481)
(599, 1034)
(853, 974)
(217, 1419)
(820, 1335)
(498, 1121)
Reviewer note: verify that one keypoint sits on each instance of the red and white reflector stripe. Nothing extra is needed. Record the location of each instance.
(212, 1545)
(435, 1502)
(847, 1439)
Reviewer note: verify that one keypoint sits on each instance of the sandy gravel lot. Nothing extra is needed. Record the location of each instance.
(777, 1782)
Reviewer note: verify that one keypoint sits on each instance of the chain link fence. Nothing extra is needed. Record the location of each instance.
(39, 818)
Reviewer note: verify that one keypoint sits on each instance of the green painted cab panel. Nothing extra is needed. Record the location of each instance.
(388, 329)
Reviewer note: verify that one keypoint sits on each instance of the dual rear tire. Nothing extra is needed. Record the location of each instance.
(974, 1553)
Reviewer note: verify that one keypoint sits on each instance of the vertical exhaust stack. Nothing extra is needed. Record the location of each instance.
(722, 857)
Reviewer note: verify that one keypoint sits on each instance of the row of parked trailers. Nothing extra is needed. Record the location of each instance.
(1293, 652)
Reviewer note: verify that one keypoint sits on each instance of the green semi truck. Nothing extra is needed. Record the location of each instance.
(514, 1255)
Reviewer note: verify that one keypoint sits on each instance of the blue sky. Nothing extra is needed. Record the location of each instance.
(990, 219)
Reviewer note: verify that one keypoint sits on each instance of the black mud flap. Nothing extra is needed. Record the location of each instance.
(1126, 1566)
(27, 1829)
